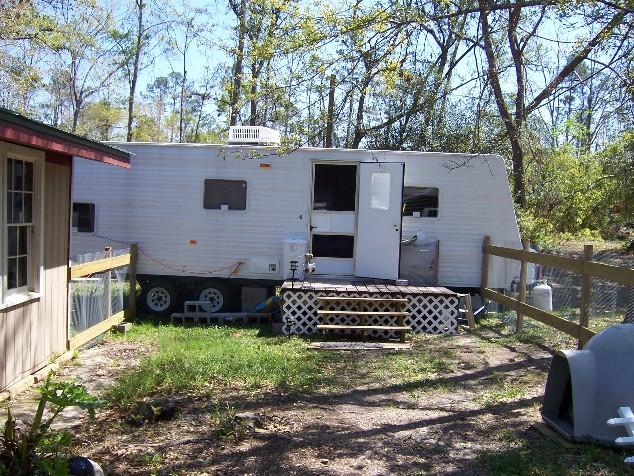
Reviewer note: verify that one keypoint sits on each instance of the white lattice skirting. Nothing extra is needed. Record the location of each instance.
(432, 314)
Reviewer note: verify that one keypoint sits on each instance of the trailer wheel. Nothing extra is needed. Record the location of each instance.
(159, 297)
(213, 293)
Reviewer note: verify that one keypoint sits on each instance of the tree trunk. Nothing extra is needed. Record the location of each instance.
(253, 93)
(182, 95)
(512, 128)
(330, 115)
(135, 68)
(237, 67)
(359, 133)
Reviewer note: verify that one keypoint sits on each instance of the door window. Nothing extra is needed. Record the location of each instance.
(380, 191)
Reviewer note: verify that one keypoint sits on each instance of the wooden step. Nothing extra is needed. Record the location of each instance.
(363, 313)
(361, 299)
(362, 328)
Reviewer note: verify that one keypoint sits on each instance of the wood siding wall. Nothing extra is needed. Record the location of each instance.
(31, 333)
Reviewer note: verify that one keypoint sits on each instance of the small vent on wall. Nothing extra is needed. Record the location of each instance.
(254, 135)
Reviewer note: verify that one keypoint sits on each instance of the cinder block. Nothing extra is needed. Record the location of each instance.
(122, 327)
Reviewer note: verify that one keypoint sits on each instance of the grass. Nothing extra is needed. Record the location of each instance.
(201, 359)
(225, 362)
(204, 360)
(503, 390)
(536, 333)
(530, 454)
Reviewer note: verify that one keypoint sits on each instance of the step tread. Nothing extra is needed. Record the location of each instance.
(362, 299)
(363, 313)
(364, 328)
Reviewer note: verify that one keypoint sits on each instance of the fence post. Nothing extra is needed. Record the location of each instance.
(132, 272)
(108, 290)
(519, 323)
(484, 283)
(586, 291)
(629, 312)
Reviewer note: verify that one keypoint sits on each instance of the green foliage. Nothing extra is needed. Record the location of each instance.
(99, 120)
(37, 449)
(579, 195)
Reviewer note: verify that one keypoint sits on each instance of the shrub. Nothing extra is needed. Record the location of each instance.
(36, 449)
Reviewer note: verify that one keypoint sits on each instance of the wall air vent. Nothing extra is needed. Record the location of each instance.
(253, 135)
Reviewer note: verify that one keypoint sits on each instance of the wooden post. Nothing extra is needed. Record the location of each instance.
(330, 116)
(629, 312)
(469, 310)
(108, 290)
(401, 319)
(484, 283)
(519, 323)
(134, 250)
(586, 291)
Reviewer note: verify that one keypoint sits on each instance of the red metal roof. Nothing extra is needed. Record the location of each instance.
(21, 130)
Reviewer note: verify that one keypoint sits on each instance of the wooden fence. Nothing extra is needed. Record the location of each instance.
(100, 266)
(584, 266)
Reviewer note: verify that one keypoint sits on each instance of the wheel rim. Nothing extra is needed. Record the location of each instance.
(158, 299)
(214, 297)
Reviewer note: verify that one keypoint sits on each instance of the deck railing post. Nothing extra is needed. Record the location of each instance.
(134, 250)
(586, 292)
(519, 323)
(484, 283)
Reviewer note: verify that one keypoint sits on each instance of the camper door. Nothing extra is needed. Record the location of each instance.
(378, 239)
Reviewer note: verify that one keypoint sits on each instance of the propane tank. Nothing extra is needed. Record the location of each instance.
(543, 296)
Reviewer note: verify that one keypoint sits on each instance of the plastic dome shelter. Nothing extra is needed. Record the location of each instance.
(586, 387)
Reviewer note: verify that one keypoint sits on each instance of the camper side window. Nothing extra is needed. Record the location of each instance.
(420, 202)
(84, 217)
(221, 194)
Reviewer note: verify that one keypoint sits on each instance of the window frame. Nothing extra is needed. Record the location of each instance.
(440, 207)
(94, 217)
(231, 179)
(35, 251)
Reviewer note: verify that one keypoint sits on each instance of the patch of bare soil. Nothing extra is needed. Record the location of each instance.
(374, 425)
(96, 368)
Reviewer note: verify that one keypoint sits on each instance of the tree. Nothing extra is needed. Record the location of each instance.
(184, 32)
(86, 52)
(515, 120)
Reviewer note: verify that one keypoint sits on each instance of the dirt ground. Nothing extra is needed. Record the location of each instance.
(484, 404)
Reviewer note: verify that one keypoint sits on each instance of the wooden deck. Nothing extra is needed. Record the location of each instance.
(353, 302)
(362, 286)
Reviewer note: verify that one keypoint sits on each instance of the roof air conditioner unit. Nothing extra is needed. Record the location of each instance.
(254, 135)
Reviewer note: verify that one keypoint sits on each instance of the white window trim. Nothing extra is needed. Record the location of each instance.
(32, 291)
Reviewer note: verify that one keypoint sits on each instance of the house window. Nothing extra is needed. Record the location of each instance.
(223, 194)
(19, 220)
(420, 202)
(84, 217)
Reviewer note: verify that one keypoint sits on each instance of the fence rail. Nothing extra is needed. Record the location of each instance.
(584, 266)
(100, 266)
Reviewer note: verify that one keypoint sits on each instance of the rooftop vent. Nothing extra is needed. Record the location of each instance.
(254, 135)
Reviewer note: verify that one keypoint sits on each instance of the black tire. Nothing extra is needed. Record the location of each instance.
(214, 292)
(159, 297)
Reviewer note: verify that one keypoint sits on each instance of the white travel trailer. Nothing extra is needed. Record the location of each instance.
(209, 219)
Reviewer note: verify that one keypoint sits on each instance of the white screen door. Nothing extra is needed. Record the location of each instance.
(378, 237)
